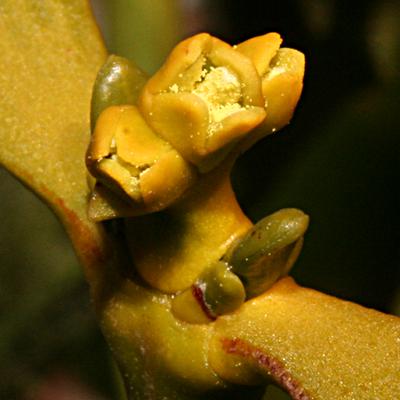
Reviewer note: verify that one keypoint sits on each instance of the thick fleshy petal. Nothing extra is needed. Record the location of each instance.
(282, 87)
(261, 50)
(182, 120)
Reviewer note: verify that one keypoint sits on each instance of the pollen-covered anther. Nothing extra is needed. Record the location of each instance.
(221, 91)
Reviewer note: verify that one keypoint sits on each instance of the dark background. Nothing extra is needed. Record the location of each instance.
(338, 161)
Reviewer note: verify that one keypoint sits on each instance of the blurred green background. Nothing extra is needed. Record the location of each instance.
(338, 160)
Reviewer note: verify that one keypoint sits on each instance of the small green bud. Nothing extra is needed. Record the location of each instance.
(118, 82)
(269, 250)
(217, 291)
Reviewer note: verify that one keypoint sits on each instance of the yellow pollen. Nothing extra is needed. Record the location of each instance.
(220, 90)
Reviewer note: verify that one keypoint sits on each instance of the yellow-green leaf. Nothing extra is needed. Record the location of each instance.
(50, 52)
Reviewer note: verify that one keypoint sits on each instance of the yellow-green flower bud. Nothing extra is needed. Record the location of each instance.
(141, 168)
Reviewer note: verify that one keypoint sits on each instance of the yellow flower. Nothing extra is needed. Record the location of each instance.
(281, 71)
(206, 96)
(126, 156)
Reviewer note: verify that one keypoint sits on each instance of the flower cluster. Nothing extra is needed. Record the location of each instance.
(205, 99)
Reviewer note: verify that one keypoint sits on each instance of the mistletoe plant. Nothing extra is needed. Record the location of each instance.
(193, 299)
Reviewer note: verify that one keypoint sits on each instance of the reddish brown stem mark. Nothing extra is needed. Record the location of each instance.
(199, 296)
(274, 368)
